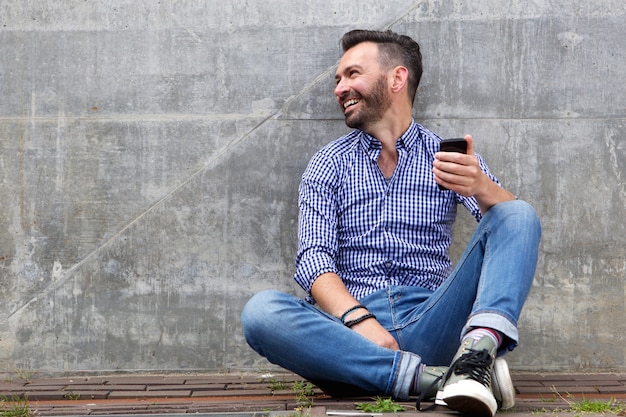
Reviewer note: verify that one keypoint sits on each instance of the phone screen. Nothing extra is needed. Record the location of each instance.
(453, 145)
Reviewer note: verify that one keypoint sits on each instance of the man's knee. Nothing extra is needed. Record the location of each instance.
(519, 215)
(257, 314)
(255, 307)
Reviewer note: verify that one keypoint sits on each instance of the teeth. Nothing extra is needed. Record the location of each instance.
(350, 103)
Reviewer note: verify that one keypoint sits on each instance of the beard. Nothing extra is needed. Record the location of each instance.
(374, 104)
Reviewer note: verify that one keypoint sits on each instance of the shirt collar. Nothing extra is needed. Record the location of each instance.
(407, 141)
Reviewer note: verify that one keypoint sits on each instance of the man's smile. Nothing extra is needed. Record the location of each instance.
(350, 102)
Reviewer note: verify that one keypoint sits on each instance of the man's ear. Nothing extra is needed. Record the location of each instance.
(400, 78)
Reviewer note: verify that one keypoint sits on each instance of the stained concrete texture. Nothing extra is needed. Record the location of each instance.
(150, 155)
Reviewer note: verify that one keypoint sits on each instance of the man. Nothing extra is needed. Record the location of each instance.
(374, 232)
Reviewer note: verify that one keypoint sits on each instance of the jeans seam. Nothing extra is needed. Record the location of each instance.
(448, 282)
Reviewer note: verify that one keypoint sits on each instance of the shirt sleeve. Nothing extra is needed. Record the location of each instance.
(470, 203)
(317, 223)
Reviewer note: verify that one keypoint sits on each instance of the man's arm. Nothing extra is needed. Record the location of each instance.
(461, 173)
(333, 297)
(315, 260)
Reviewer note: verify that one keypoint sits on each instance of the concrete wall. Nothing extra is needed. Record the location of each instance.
(150, 154)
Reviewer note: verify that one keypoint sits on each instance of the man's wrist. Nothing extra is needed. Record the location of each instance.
(351, 310)
(360, 319)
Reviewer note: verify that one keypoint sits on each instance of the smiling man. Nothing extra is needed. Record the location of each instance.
(385, 312)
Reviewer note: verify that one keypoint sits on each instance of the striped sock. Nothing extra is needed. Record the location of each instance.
(480, 332)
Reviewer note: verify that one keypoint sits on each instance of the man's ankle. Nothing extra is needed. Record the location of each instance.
(479, 332)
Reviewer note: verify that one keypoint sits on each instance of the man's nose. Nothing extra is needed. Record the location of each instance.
(341, 88)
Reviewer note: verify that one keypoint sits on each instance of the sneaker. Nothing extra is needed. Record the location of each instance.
(431, 381)
(501, 385)
(467, 386)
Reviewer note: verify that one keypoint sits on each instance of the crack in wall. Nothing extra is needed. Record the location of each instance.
(61, 276)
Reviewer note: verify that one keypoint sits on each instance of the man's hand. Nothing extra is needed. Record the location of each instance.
(371, 329)
(333, 297)
(461, 173)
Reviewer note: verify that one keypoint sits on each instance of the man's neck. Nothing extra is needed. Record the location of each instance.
(388, 133)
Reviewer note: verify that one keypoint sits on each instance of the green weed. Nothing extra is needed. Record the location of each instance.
(24, 374)
(16, 407)
(71, 396)
(597, 406)
(381, 405)
(303, 391)
(592, 406)
(276, 385)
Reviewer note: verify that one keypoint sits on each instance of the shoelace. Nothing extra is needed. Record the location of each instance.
(476, 364)
(418, 403)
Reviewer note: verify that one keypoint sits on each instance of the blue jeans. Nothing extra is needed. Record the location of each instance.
(487, 288)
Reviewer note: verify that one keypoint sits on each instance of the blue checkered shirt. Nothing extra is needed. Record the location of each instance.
(371, 231)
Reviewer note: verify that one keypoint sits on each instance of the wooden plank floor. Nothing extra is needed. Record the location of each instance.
(247, 393)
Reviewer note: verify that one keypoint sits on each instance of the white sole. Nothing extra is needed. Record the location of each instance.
(439, 399)
(502, 378)
(470, 397)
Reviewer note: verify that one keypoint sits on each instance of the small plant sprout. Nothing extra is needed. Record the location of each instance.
(592, 406)
(16, 407)
(381, 405)
(303, 391)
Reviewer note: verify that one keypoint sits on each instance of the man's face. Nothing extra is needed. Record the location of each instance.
(361, 90)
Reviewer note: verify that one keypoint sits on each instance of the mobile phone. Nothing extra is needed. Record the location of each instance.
(452, 145)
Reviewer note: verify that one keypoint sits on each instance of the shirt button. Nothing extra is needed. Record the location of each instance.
(387, 264)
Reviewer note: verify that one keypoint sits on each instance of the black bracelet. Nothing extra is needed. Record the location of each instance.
(360, 319)
(350, 310)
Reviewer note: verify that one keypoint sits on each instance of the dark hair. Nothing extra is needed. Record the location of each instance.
(394, 49)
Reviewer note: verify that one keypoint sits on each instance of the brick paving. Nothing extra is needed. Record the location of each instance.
(248, 393)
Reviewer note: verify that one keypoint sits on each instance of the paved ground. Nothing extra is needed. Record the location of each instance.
(248, 394)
